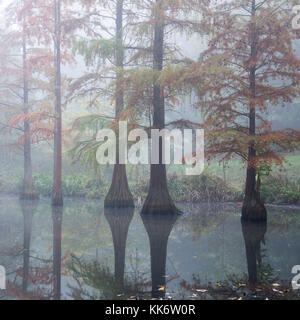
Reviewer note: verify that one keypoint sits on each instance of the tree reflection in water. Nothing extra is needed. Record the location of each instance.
(119, 221)
(158, 228)
(28, 209)
(97, 275)
(43, 280)
(34, 274)
(254, 235)
(57, 214)
(116, 286)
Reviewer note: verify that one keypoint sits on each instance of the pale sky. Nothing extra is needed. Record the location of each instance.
(3, 3)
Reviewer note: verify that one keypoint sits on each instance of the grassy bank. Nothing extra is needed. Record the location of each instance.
(276, 189)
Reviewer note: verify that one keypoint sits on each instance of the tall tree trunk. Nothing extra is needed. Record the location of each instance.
(119, 221)
(254, 234)
(158, 199)
(57, 214)
(158, 228)
(119, 194)
(57, 199)
(253, 208)
(28, 191)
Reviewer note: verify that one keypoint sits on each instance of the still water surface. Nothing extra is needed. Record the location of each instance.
(86, 252)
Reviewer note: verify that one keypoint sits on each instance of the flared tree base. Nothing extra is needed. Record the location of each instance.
(119, 199)
(159, 202)
(254, 210)
(119, 195)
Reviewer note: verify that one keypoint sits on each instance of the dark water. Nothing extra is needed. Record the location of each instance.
(84, 252)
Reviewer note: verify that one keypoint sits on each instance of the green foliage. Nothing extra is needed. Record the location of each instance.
(99, 277)
(194, 189)
(85, 150)
(265, 272)
(72, 185)
(96, 48)
(208, 187)
(92, 122)
(279, 189)
(275, 188)
(95, 275)
(43, 184)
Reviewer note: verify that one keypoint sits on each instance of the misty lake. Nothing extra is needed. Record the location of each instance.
(86, 252)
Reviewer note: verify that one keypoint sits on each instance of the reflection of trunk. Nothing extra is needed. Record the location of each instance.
(254, 234)
(57, 213)
(158, 228)
(158, 199)
(119, 194)
(28, 191)
(119, 221)
(28, 209)
(57, 189)
(253, 208)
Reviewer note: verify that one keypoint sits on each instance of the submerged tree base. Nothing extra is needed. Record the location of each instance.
(119, 199)
(159, 202)
(254, 209)
(57, 200)
(29, 195)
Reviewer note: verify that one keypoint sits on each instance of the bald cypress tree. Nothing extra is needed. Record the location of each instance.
(249, 67)
(20, 35)
(119, 194)
(166, 17)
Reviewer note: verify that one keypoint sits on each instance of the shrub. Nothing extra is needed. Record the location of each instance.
(276, 189)
(72, 185)
(279, 189)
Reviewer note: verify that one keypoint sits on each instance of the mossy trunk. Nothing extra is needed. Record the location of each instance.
(254, 234)
(119, 221)
(158, 228)
(158, 199)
